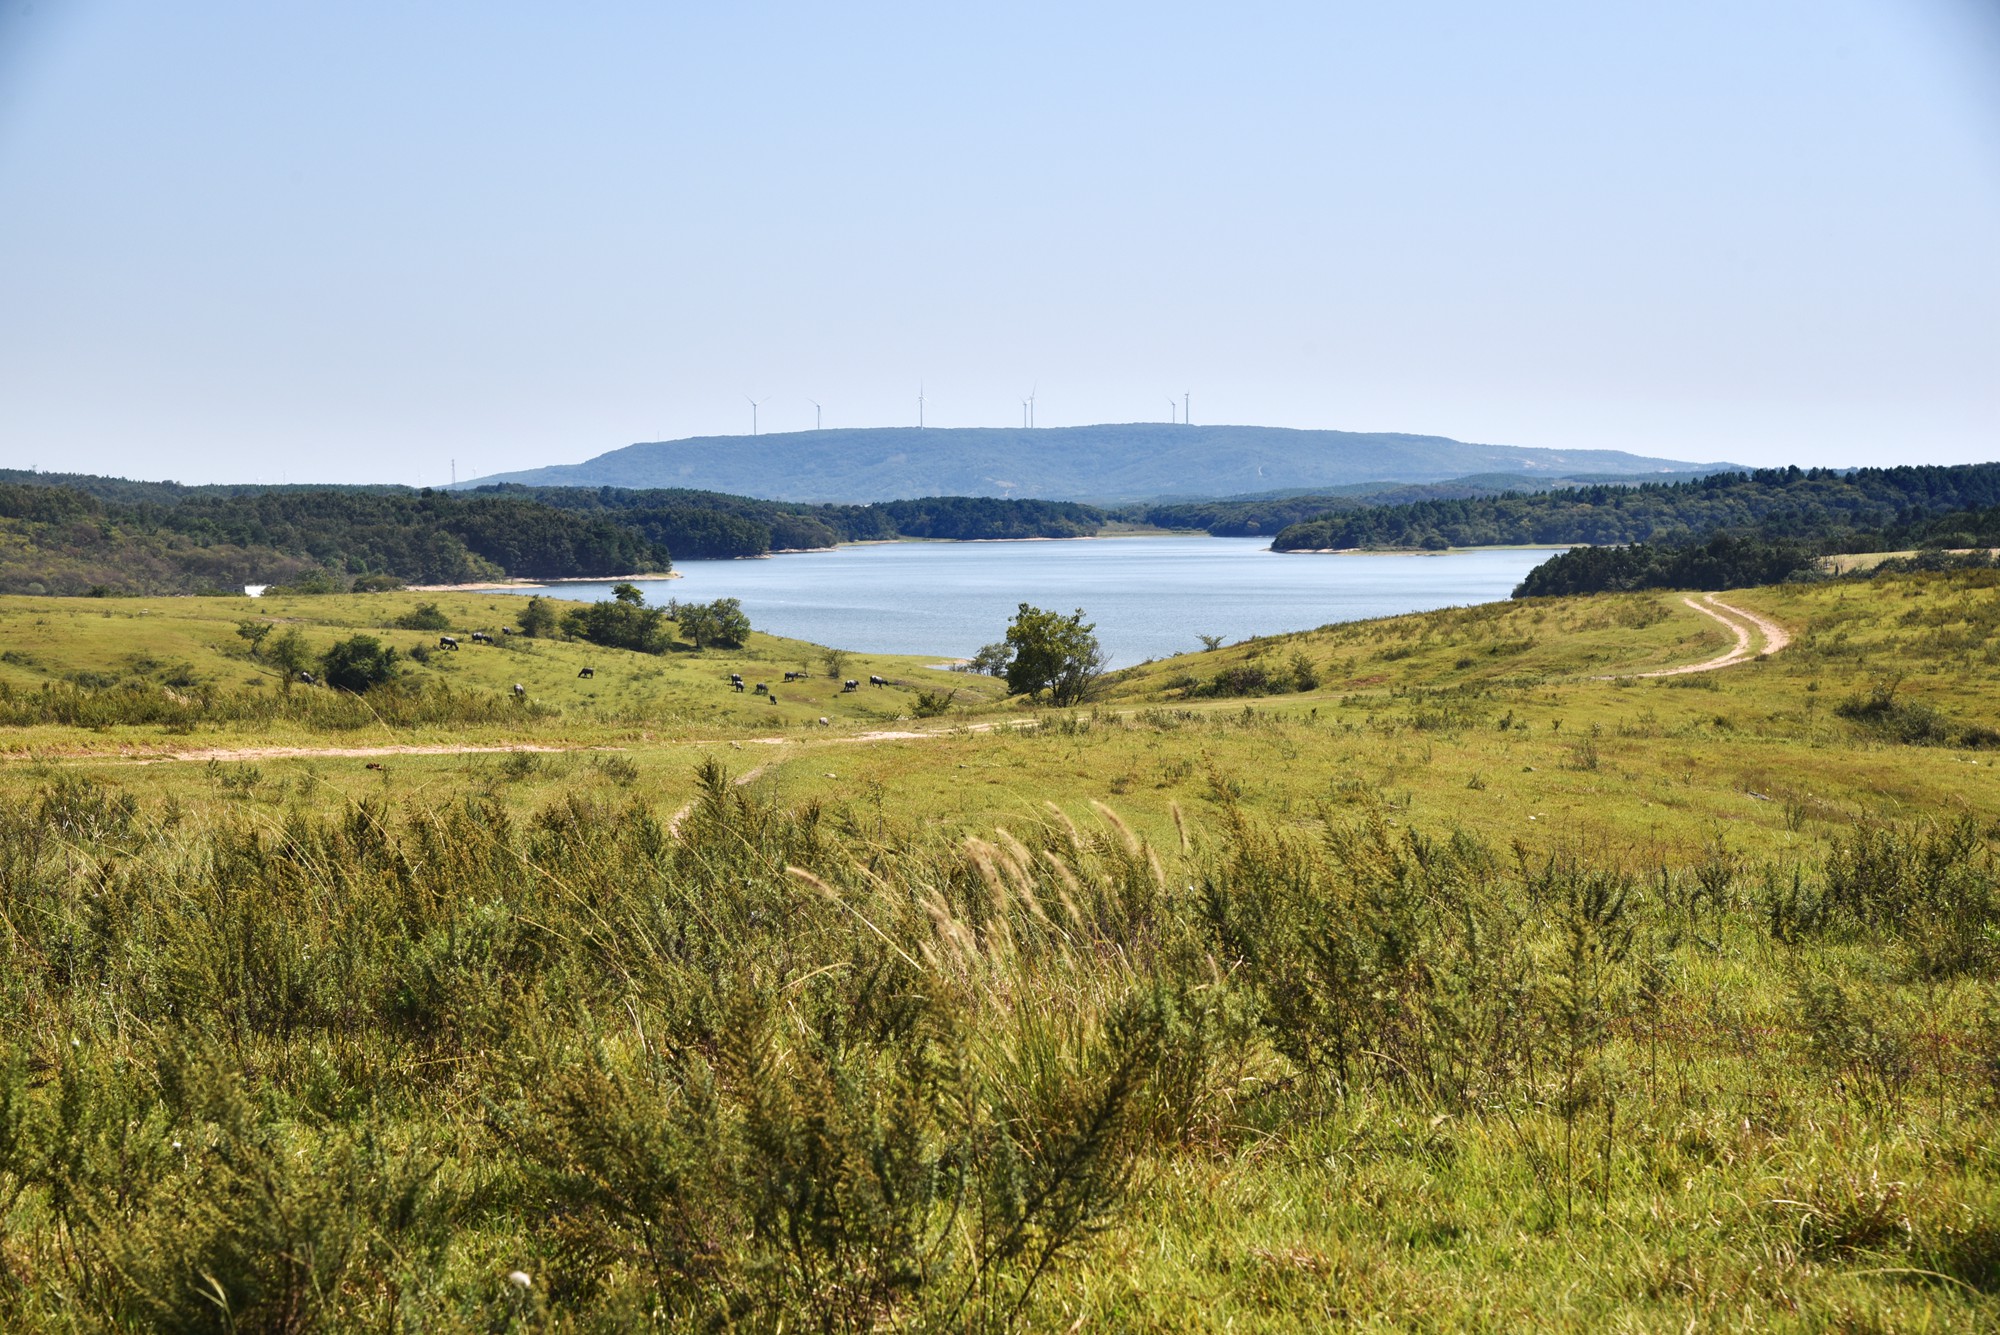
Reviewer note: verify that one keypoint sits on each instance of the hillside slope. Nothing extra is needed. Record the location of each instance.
(1130, 462)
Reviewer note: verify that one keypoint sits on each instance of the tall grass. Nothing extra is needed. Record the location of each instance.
(450, 1066)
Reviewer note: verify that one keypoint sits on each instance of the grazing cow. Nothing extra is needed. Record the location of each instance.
(793, 676)
(588, 672)
(506, 630)
(520, 691)
(481, 637)
(849, 685)
(307, 678)
(736, 681)
(761, 688)
(773, 697)
(823, 723)
(372, 765)
(447, 642)
(877, 681)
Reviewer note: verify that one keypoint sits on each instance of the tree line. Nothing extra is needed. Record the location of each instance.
(1780, 503)
(698, 525)
(1743, 560)
(70, 534)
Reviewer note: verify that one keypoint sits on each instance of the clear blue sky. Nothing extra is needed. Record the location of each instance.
(246, 239)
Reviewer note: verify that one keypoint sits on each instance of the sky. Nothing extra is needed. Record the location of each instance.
(266, 240)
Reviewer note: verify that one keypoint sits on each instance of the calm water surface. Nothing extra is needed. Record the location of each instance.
(1150, 597)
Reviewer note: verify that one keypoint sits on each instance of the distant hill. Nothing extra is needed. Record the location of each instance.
(1141, 461)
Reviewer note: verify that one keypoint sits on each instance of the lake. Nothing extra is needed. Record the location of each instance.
(1150, 597)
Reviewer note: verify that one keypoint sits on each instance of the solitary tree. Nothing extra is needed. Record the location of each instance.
(628, 594)
(288, 652)
(254, 632)
(1053, 654)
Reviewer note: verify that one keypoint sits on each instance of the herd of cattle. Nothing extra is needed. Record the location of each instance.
(450, 642)
(764, 689)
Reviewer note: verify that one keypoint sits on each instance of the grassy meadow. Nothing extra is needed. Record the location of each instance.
(1436, 972)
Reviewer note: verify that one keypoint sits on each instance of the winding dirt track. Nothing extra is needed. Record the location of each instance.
(1741, 623)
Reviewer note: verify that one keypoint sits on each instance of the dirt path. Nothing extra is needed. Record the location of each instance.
(1745, 625)
(232, 754)
(1776, 637)
(236, 754)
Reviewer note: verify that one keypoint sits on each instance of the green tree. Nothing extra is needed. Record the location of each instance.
(628, 594)
(1054, 655)
(538, 618)
(619, 625)
(992, 659)
(722, 622)
(696, 625)
(358, 663)
(731, 624)
(254, 632)
(288, 653)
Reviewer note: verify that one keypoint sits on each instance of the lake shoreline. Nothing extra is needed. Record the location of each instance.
(516, 585)
(1146, 599)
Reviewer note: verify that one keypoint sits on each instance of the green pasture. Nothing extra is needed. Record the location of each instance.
(184, 644)
(1482, 985)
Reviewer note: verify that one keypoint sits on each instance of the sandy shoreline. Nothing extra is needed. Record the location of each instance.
(503, 585)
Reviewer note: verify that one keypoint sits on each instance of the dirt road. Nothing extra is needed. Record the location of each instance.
(1742, 624)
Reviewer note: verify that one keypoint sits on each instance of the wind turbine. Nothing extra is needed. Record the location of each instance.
(920, 404)
(1185, 419)
(1172, 407)
(1024, 414)
(815, 404)
(1031, 403)
(755, 404)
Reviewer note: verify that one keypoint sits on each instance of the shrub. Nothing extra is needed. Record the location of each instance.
(424, 616)
(930, 704)
(1243, 679)
(1305, 676)
(359, 664)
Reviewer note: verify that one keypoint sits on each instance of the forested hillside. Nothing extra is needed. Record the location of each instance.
(701, 524)
(1791, 503)
(116, 536)
(1733, 561)
(59, 540)
(1254, 516)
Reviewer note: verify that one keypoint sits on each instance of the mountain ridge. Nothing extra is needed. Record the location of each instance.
(1106, 463)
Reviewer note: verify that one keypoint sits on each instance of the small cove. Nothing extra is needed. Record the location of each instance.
(1149, 596)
